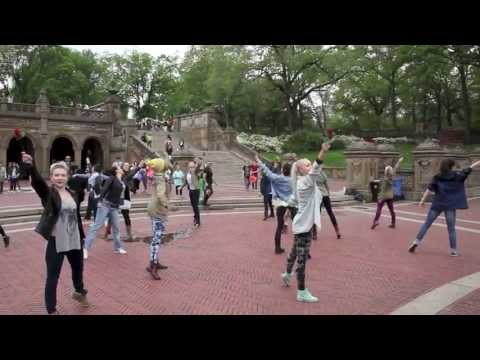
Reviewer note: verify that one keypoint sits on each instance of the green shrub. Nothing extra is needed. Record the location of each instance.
(303, 141)
(337, 144)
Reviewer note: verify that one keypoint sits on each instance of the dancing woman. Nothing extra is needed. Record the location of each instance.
(308, 198)
(61, 225)
(386, 195)
(281, 193)
(449, 189)
(110, 201)
(322, 183)
(192, 181)
(158, 212)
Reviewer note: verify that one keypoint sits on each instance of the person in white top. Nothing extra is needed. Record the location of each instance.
(307, 198)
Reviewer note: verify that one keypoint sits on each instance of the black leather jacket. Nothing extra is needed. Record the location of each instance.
(52, 204)
(112, 191)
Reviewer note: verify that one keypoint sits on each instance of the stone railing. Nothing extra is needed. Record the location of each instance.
(59, 110)
(144, 150)
(335, 172)
(25, 108)
(93, 114)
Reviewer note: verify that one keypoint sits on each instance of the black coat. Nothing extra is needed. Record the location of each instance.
(112, 191)
(52, 204)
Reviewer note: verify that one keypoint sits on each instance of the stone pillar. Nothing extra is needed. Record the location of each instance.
(112, 106)
(3, 103)
(78, 157)
(362, 165)
(42, 156)
(427, 158)
(474, 179)
(43, 107)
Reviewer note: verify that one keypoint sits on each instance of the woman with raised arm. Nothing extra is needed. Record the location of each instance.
(108, 206)
(281, 192)
(61, 225)
(386, 195)
(448, 188)
(308, 198)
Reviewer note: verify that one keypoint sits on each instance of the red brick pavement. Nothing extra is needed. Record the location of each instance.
(228, 267)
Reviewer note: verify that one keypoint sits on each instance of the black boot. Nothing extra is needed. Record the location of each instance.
(6, 240)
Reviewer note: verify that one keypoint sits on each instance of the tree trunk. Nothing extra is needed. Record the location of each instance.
(253, 123)
(439, 112)
(300, 116)
(414, 115)
(394, 104)
(292, 115)
(467, 109)
(324, 113)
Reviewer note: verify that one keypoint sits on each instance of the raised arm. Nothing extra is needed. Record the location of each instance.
(271, 175)
(397, 165)
(475, 164)
(38, 183)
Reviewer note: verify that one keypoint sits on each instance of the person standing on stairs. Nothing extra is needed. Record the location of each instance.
(208, 176)
(178, 180)
(169, 147)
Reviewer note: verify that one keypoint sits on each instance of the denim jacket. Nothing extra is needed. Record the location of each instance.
(281, 184)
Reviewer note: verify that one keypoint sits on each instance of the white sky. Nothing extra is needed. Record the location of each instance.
(155, 50)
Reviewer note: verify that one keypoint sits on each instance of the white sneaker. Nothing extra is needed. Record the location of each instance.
(305, 296)
(120, 251)
(286, 277)
(454, 253)
(85, 254)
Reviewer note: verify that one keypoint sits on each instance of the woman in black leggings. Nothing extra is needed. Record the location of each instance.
(322, 184)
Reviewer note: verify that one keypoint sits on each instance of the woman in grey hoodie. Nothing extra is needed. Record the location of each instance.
(308, 198)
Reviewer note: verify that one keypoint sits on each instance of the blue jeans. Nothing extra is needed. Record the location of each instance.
(450, 218)
(104, 212)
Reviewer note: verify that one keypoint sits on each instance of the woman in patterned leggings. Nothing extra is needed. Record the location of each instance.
(158, 211)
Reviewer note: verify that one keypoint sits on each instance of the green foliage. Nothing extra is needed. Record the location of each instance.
(303, 141)
(337, 144)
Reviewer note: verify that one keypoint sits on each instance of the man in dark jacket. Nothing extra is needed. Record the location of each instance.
(266, 190)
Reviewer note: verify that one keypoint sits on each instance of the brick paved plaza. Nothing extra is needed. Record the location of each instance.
(228, 266)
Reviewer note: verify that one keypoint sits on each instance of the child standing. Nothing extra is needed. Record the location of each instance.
(386, 194)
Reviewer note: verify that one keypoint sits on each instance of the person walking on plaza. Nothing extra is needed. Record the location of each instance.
(94, 186)
(386, 195)
(3, 176)
(61, 225)
(448, 188)
(308, 198)
(110, 201)
(322, 183)
(178, 180)
(281, 193)
(158, 212)
(266, 191)
(193, 183)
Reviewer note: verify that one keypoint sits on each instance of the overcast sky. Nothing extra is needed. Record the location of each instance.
(155, 50)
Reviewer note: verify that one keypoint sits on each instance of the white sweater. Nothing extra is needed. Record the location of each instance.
(308, 199)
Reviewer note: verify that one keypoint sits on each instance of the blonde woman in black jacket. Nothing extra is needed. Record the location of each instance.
(61, 225)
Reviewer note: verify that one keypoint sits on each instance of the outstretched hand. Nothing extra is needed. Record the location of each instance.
(326, 146)
(257, 158)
